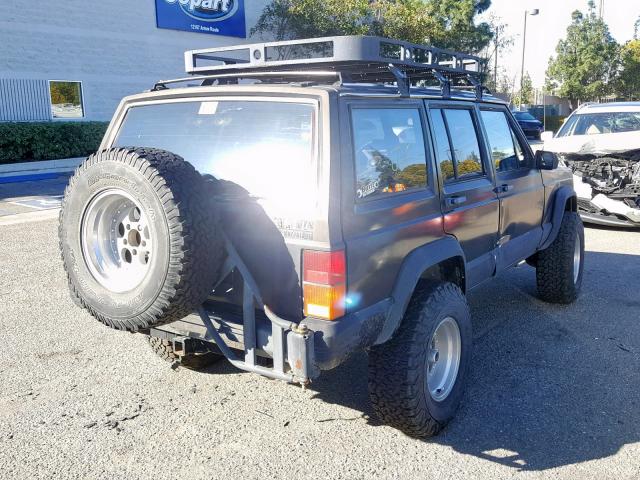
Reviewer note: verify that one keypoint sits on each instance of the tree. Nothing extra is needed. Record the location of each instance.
(290, 19)
(442, 23)
(506, 84)
(414, 175)
(500, 43)
(525, 95)
(65, 92)
(628, 83)
(586, 60)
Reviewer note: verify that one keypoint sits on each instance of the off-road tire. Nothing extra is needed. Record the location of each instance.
(190, 250)
(554, 264)
(199, 361)
(397, 369)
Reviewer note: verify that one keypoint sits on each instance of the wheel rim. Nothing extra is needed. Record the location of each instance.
(116, 240)
(576, 259)
(443, 360)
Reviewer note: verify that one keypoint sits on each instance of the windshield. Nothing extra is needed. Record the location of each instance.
(266, 147)
(524, 116)
(598, 123)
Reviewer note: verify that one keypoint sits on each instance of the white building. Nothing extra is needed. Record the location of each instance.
(75, 59)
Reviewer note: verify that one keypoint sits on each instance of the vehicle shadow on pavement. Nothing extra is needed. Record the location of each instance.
(550, 385)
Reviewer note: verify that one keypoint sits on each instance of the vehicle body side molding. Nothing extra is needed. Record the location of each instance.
(560, 198)
(413, 266)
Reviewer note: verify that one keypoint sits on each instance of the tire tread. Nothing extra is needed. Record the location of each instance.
(554, 265)
(396, 379)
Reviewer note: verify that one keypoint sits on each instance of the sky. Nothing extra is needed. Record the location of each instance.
(550, 25)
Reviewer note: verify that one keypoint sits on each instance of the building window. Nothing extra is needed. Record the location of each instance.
(66, 99)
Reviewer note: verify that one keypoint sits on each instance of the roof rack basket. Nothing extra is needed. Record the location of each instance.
(350, 59)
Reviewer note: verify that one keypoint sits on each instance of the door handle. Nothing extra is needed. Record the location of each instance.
(505, 187)
(456, 200)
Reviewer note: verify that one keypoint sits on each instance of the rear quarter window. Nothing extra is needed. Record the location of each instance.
(389, 151)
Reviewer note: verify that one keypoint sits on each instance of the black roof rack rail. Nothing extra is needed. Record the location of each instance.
(303, 76)
(353, 59)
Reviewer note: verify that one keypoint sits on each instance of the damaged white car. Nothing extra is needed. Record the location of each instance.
(601, 144)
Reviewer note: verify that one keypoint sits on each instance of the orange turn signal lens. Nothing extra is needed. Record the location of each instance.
(324, 301)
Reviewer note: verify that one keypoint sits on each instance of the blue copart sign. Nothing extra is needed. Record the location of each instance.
(218, 17)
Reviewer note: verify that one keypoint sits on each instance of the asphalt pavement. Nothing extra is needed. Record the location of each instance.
(554, 390)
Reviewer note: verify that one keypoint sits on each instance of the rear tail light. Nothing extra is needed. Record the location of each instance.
(324, 283)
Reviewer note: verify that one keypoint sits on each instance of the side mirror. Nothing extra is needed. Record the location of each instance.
(546, 160)
(546, 135)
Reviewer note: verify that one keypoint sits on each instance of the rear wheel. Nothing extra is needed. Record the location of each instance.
(560, 266)
(416, 379)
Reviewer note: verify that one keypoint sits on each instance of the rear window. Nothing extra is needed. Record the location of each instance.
(524, 116)
(266, 147)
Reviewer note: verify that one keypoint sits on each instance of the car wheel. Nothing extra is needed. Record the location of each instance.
(560, 266)
(138, 237)
(416, 379)
(195, 361)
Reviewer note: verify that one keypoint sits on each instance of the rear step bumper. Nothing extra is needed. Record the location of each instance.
(291, 347)
(299, 351)
(298, 345)
(306, 349)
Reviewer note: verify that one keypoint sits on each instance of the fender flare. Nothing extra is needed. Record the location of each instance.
(560, 198)
(412, 268)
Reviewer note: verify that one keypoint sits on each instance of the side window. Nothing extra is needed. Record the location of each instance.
(457, 143)
(464, 140)
(443, 147)
(389, 151)
(506, 152)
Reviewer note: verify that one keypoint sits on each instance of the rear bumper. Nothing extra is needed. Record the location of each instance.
(333, 341)
(532, 134)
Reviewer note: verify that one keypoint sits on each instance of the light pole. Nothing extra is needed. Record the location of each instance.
(533, 12)
(544, 109)
(495, 64)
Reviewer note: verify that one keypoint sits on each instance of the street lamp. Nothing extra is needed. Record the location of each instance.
(533, 12)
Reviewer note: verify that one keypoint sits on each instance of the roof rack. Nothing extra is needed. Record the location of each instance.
(348, 59)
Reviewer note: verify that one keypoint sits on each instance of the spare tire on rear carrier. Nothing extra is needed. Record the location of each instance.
(139, 238)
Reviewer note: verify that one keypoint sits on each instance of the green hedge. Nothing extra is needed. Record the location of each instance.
(554, 122)
(24, 142)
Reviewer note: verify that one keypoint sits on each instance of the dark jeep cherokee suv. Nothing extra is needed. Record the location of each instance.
(308, 199)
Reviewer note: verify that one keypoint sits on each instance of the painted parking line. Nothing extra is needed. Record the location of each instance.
(28, 217)
(40, 203)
